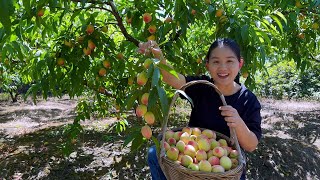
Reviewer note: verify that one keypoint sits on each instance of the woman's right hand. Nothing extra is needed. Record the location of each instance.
(150, 47)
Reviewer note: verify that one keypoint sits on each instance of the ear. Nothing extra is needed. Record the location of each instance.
(207, 65)
(241, 63)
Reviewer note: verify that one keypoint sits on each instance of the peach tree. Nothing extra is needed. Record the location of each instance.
(88, 49)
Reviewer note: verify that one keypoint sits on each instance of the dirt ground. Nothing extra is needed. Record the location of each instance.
(31, 138)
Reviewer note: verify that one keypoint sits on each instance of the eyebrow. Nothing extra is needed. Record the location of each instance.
(228, 57)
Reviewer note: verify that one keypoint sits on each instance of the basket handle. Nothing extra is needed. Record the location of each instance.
(233, 136)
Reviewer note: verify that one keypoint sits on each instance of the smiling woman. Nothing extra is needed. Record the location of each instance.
(223, 62)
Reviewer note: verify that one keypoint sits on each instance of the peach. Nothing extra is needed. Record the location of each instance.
(214, 160)
(130, 81)
(146, 132)
(194, 167)
(207, 1)
(166, 146)
(128, 20)
(234, 154)
(149, 118)
(187, 129)
(152, 29)
(60, 61)
(147, 17)
(90, 29)
(204, 165)
(40, 13)
(219, 13)
(180, 157)
(209, 133)
(91, 45)
(223, 142)
(193, 12)
(102, 72)
(68, 43)
(214, 143)
(225, 162)
(185, 137)
(104, 29)
(142, 78)
(196, 131)
(217, 168)
(189, 150)
(235, 163)
(141, 110)
(227, 150)
(145, 98)
(186, 160)
(151, 38)
(193, 137)
(194, 144)
(180, 145)
(120, 56)
(201, 155)
(172, 141)
(177, 135)
(173, 153)
(106, 64)
(147, 63)
(87, 51)
(168, 134)
(202, 136)
(218, 151)
(204, 144)
(210, 153)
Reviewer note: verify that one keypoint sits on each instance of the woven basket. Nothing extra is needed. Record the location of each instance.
(175, 171)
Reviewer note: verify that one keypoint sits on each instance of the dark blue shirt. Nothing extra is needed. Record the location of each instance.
(206, 113)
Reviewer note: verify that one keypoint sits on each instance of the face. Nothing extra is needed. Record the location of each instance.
(223, 66)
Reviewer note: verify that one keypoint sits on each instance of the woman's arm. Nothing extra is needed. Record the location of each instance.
(247, 139)
(175, 82)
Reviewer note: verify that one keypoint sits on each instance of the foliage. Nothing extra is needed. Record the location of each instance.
(283, 80)
(64, 46)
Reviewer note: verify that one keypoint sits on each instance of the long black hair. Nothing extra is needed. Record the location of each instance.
(226, 42)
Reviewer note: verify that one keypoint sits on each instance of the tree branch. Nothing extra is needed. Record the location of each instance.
(120, 24)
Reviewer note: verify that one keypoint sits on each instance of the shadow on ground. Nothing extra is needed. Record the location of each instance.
(287, 151)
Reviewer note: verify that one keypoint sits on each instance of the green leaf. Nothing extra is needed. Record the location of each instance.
(153, 97)
(137, 142)
(26, 4)
(5, 6)
(157, 143)
(168, 69)
(275, 18)
(155, 77)
(281, 16)
(130, 138)
(163, 100)
(245, 33)
(131, 98)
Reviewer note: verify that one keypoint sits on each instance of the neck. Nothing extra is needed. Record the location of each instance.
(230, 89)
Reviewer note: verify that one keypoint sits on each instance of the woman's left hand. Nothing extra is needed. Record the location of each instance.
(232, 116)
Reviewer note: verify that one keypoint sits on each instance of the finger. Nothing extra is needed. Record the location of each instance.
(230, 119)
(227, 107)
(233, 125)
(227, 113)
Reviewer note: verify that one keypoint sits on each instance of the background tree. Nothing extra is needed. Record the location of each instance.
(88, 48)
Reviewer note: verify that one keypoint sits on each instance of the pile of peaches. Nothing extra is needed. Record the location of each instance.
(200, 150)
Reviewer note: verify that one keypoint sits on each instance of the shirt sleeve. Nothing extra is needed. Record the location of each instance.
(253, 116)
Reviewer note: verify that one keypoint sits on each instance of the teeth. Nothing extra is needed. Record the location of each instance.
(223, 74)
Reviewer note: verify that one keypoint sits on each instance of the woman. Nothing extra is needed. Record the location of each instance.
(223, 62)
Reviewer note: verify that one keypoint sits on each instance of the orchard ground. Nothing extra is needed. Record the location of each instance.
(31, 136)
